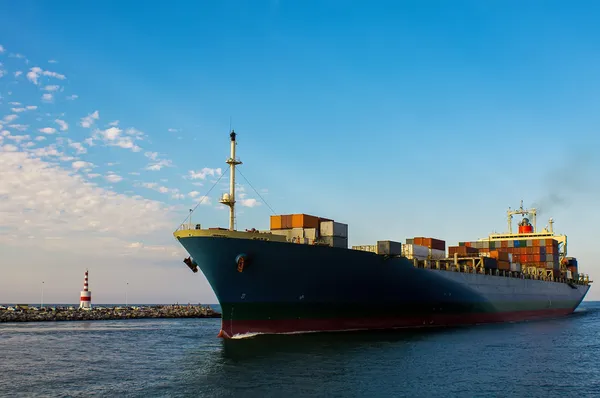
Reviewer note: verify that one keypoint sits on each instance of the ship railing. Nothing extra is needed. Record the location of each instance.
(188, 226)
(476, 267)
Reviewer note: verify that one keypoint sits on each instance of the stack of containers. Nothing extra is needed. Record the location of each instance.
(536, 253)
(304, 228)
(334, 234)
(411, 251)
(462, 251)
(436, 247)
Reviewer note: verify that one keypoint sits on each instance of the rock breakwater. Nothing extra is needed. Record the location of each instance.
(34, 314)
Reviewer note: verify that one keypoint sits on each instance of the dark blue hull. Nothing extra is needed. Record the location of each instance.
(286, 287)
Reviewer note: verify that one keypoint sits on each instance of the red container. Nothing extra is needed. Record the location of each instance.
(462, 251)
(504, 244)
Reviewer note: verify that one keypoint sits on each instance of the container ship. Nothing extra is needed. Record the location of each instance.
(301, 276)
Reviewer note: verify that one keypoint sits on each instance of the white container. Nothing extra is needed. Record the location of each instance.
(335, 241)
(415, 251)
(516, 267)
(332, 228)
(366, 248)
(569, 275)
(436, 254)
(510, 258)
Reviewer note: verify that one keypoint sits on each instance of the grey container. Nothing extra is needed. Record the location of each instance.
(335, 241)
(389, 247)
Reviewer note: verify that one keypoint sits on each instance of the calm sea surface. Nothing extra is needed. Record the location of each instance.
(183, 357)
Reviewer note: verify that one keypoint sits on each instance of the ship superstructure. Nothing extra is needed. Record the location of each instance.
(301, 276)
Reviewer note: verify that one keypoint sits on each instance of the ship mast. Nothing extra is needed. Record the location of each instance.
(229, 199)
(523, 212)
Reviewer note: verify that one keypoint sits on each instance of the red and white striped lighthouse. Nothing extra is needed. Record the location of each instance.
(85, 301)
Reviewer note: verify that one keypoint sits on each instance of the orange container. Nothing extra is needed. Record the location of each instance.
(536, 243)
(286, 221)
(537, 258)
(275, 222)
(304, 221)
(504, 265)
(550, 250)
(504, 244)
(499, 255)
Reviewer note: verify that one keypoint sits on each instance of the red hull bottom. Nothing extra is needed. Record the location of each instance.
(230, 329)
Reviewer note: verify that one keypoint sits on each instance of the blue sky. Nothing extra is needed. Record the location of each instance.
(398, 118)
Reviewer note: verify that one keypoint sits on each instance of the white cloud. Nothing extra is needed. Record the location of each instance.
(41, 198)
(93, 175)
(31, 107)
(113, 136)
(205, 172)
(159, 165)
(34, 74)
(18, 110)
(77, 146)
(51, 88)
(18, 138)
(15, 103)
(52, 61)
(193, 194)
(47, 97)
(205, 200)
(80, 164)
(20, 127)
(151, 155)
(63, 125)
(2, 48)
(72, 97)
(111, 177)
(40, 138)
(18, 73)
(173, 130)
(10, 118)
(48, 130)
(114, 124)
(88, 120)
(249, 202)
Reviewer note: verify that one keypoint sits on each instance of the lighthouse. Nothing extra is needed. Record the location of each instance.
(85, 302)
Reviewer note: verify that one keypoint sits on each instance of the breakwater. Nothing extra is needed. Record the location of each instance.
(35, 314)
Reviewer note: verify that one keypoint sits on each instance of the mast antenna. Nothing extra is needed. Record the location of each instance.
(228, 199)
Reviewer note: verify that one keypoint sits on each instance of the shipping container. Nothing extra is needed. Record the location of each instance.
(504, 243)
(332, 228)
(515, 267)
(499, 255)
(304, 221)
(389, 247)
(431, 243)
(569, 274)
(485, 244)
(529, 243)
(411, 251)
(366, 248)
(335, 241)
(504, 265)
(410, 241)
(542, 242)
(275, 222)
(490, 263)
(286, 221)
(462, 251)
(510, 243)
(435, 254)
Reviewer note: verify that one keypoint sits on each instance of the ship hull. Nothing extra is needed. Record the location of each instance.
(295, 288)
